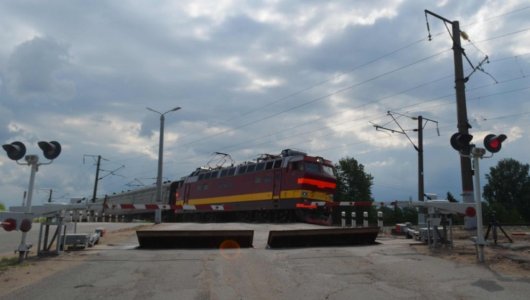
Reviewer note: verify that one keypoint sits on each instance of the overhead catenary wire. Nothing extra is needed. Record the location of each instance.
(520, 31)
(250, 123)
(427, 101)
(416, 104)
(320, 98)
(229, 130)
(246, 142)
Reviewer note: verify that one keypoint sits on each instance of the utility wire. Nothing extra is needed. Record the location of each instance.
(489, 39)
(260, 108)
(329, 95)
(246, 142)
(318, 98)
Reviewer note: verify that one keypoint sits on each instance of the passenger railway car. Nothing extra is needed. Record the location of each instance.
(272, 188)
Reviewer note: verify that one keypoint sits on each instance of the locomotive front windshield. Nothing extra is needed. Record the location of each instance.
(314, 168)
(328, 170)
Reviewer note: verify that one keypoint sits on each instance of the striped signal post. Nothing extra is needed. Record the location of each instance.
(365, 219)
(380, 220)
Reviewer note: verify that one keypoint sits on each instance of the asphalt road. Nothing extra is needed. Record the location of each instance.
(389, 270)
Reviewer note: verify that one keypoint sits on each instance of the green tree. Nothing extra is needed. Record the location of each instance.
(508, 191)
(2, 207)
(354, 184)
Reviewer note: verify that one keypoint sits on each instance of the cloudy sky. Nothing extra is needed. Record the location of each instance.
(254, 77)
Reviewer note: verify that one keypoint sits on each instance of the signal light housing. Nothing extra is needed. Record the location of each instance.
(50, 150)
(493, 143)
(25, 225)
(15, 150)
(9, 224)
(16, 221)
(460, 141)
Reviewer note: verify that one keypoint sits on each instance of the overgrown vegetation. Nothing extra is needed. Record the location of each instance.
(7, 262)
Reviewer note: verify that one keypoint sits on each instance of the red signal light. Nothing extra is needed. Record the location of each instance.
(25, 225)
(493, 143)
(470, 212)
(9, 224)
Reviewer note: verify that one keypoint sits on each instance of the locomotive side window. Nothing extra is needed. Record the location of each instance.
(224, 172)
(297, 166)
(277, 163)
(242, 170)
(269, 165)
(251, 168)
(214, 174)
(260, 166)
(232, 171)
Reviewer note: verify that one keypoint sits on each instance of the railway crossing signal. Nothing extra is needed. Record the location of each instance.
(22, 221)
(460, 141)
(16, 221)
(15, 150)
(50, 150)
(493, 143)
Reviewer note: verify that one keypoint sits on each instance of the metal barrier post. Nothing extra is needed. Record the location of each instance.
(353, 219)
(380, 220)
(343, 218)
(365, 219)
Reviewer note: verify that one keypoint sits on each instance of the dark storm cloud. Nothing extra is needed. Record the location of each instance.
(33, 71)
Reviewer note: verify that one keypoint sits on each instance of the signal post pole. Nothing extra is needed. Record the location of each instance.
(32, 161)
(461, 112)
(476, 154)
(463, 125)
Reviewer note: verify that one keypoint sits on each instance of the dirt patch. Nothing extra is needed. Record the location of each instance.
(504, 258)
(14, 276)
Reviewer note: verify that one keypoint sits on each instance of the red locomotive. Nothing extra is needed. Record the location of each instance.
(272, 188)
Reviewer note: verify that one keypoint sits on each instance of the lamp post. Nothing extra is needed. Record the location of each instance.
(158, 199)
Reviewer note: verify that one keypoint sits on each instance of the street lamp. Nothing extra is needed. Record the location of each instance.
(158, 199)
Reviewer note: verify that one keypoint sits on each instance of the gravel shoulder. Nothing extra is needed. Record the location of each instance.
(504, 257)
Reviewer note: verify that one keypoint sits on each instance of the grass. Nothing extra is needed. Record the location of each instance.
(7, 262)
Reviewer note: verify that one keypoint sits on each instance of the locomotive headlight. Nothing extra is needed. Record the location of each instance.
(304, 194)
